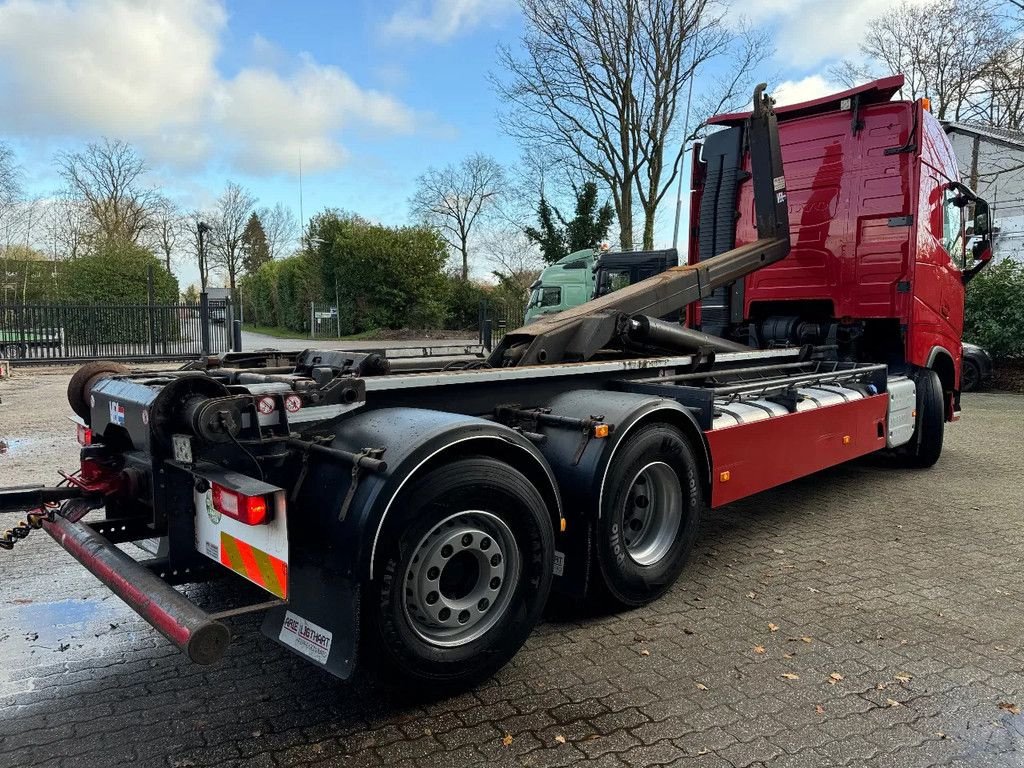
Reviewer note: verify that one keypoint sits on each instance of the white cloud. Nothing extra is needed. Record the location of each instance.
(806, 89)
(810, 32)
(441, 20)
(110, 65)
(145, 71)
(276, 120)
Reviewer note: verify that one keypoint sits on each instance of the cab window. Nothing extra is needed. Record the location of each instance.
(613, 280)
(546, 297)
(952, 228)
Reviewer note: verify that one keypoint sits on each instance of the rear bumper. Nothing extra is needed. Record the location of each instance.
(202, 638)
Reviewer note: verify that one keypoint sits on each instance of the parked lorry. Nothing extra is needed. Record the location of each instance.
(418, 521)
(589, 273)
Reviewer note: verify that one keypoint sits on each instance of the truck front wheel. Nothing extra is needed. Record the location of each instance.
(649, 516)
(925, 446)
(464, 572)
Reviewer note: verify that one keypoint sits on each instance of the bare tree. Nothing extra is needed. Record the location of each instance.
(166, 231)
(280, 227)
(67, 227)
(109, 178)
(515, 260)
(599, 86)
(10, 179)
(949, 51)
(454, 198)
(229, 219)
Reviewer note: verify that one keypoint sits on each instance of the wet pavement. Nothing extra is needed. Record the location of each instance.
(866, 616)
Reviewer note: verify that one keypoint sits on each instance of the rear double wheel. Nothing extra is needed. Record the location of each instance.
(649, 516)
(465, 569)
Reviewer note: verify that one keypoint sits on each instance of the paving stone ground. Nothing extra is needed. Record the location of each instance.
(866, 616)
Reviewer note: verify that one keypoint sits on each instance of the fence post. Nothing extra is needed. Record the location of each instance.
(204, 321)
(487, 334)
(151, 295)
(236, 336)
(312, 320)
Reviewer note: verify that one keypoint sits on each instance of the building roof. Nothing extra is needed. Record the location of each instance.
(1001, 135)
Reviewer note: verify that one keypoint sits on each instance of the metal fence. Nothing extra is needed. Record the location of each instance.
(68, 332)
(498, 318)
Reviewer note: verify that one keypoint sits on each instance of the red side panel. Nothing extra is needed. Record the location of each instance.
(750, 458)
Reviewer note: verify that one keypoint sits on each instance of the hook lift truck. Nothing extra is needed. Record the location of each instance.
(418, 521)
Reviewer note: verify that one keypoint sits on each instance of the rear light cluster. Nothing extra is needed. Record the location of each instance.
(84, 436)
(250, 510)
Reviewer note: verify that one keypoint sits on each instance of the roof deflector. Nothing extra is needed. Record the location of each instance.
(870, 93)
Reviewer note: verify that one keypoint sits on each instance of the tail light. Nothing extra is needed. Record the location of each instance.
(250, 510)
(84, 435)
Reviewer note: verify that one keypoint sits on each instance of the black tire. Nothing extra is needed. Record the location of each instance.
(83, 380)
(399, 640)
(635, 571)
(13, 351)
(970, 376)
(925, 446)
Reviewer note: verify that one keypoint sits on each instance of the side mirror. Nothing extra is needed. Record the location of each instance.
(982, 227)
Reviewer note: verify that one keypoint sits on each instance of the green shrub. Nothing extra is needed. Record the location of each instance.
(462, 300)
(994, 312)
(117, 274)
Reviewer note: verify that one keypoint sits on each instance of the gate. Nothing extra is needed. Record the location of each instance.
(498, 318)
(38, 333)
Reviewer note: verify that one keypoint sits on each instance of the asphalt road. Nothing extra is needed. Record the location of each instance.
(865, 616)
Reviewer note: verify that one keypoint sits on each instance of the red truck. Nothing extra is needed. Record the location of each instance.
(417, 521)
(879, 255)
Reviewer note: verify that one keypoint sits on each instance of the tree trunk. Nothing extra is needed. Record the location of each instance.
(649, 228)
(624, 206)
(465, 261)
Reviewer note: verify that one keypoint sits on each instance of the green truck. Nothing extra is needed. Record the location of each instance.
(589, 273)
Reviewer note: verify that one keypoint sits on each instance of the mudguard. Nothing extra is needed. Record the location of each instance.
(337, 517)
(581, 474)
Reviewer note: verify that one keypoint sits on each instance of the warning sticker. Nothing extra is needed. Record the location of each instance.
(559, 563)
(779, 182)
(306, 637)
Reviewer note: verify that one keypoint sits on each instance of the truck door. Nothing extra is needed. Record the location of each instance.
(954, 243)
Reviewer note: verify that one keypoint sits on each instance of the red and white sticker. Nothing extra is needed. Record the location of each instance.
(266, 405)
(292, 403)
(306, 637)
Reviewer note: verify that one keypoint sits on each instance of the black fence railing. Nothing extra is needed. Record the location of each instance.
(498, 318)
(67, 332)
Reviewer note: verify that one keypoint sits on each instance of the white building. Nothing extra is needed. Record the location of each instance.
(992, 163)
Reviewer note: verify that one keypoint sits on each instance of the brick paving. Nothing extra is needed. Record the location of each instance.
(866, 616)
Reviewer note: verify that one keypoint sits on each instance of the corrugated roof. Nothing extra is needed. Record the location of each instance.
(987, 131)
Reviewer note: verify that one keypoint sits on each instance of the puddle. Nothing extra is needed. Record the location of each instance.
(16, 444)
(55, 626)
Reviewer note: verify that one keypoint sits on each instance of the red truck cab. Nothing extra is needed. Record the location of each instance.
(877, 225)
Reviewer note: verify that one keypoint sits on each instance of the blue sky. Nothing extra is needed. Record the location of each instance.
(368, 93)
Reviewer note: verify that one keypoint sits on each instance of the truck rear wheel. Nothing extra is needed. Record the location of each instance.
(649, 517)
(465, 570)
(925, 446)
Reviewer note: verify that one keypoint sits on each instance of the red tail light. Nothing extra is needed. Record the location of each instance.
(251, 510)
(84, 435)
